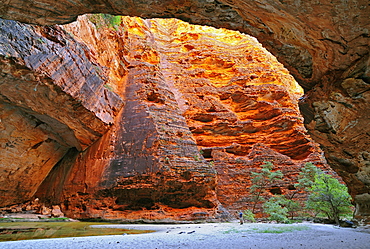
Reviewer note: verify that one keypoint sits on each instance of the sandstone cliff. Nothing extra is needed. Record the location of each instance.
(314, 39)
(325, 44)
(203, 108)
(52, 99)
(322, 43)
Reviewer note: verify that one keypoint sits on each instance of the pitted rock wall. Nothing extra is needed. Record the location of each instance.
(203, 108)
(322, 43)
(50, 80)
(240, 104)
(148, 165)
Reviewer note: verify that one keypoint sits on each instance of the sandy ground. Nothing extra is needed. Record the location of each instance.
(213, 236)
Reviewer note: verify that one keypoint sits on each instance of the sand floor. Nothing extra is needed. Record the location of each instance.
(215, 235)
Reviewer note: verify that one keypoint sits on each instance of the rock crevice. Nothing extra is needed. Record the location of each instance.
(324, 44)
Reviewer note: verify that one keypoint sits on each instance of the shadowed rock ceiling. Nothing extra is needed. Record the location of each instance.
(324, 44)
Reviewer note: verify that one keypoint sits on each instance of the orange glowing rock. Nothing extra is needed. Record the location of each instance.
(311, 38)
(203, 108)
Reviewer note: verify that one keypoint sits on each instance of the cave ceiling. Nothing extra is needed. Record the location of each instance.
(324, 44)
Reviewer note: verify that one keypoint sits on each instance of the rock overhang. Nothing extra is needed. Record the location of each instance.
(318, 49)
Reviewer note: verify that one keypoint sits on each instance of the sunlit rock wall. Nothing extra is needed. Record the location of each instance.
(322, 43)
(149, 160)
(240, 104)
(203, 108)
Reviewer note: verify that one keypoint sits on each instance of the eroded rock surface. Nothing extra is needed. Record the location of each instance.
(322, 43)
(203, 108)
(312, 38)
(149, 160)
(48, 79)
(339, 122)
(240, 105)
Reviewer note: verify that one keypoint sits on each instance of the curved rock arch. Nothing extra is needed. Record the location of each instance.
(324, 44)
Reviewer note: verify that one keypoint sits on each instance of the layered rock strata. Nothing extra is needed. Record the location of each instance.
(52, 99)
(322, 43)
(240, 104)
(203, 108)
(312, 38)
(149, 160)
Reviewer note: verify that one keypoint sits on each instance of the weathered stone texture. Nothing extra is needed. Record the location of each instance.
(312, 38)
(338, 118)
(197, 101)
(324, 44)
(25, 154)
(53, 54)
(49, 79)
(149, 159)
(240, 104)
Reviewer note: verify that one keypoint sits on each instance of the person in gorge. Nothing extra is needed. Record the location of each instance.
(241, 218)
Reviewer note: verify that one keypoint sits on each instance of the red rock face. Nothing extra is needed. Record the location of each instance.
(311, 38)
(149, 159)
(239, 102)
(215, 118)
(52, 99)
(322, 43)
(203, 108)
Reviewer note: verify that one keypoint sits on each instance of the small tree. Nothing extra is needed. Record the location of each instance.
(249, 216)
(261, 180)
(279, 208)
(276, 209)
(305, 180)
(329, 196)
(307, 176)
(292, 206)
(326, 194)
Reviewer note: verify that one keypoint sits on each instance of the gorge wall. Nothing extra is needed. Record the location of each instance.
(324, 44)
(46, 109)
(202, 107)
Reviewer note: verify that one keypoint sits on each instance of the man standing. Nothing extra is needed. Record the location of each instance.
(241, 218)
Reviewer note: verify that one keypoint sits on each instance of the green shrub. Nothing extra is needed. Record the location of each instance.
(249, 215)
(328, 196)
(291, 205)
(105, 21)
(276, 210)
(261, 180)
(307, 176)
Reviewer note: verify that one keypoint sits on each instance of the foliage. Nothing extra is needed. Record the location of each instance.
(288, 207)
(329, 196)
(326, 195)
(283, 229)
(261, 180)
(105, 20)
(275, 208)
(307, 176)
(292, 206)
(249, 215)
